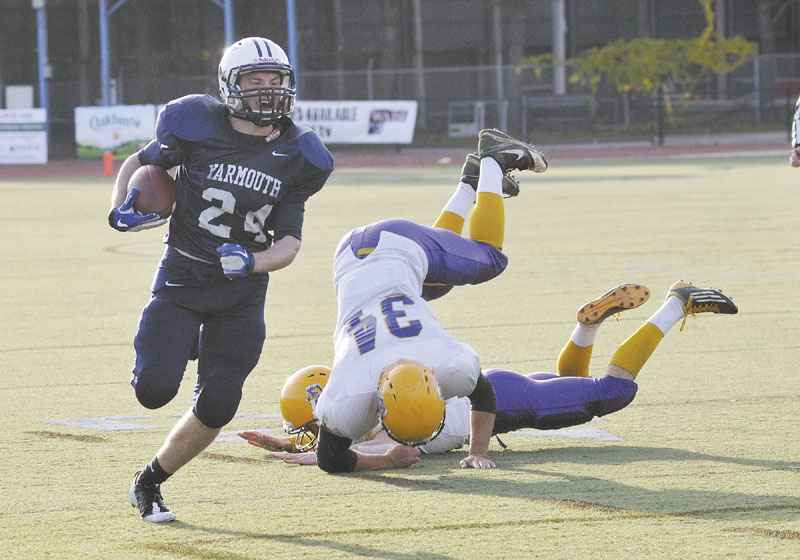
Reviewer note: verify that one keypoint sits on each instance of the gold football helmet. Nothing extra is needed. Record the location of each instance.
(301, 389)
(410, 403)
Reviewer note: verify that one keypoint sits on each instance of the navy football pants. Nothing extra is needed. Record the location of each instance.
(223, 324)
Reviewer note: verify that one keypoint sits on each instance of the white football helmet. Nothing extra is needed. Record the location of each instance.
(256, 54)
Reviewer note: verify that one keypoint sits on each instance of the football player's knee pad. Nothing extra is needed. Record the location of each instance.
(334, 454)
(153, 389)
(458, 375)
(616, 393)
(499, 262)
(217, 402)
(435, 291)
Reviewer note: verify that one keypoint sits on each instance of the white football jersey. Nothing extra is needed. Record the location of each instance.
(455, 432)
(383, 319)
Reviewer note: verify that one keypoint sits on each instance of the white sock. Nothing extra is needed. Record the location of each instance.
(462, 201)
(670, 312)
(491, 177)
(584, 335)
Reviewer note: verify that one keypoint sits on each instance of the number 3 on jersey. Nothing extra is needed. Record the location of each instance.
(363, 328)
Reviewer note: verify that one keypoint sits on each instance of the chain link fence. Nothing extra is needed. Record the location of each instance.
(456, 101)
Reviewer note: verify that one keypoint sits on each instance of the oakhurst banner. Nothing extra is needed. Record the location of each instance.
(23, 136)
(122, 129)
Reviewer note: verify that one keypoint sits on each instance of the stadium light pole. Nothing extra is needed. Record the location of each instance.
(227, 7)
(41, 45)
(291, 25)
(45, 70)
(559, 21)
(105, 73)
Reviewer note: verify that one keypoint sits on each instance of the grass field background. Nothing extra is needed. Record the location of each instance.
(705, 462)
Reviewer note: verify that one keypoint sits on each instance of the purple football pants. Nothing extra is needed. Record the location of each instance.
(546, 401)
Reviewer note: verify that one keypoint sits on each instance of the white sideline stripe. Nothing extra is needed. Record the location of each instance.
(118, 424)
(593, 434)
(586, 431)
(105, 424)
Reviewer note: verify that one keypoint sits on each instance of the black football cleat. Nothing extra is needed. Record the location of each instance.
(509, 152)
(701, 300)
(149, 501)
(472, 169)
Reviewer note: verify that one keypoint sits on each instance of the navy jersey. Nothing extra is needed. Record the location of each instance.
(233, 187)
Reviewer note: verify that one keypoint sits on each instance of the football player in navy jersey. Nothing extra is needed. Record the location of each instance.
(244, 173)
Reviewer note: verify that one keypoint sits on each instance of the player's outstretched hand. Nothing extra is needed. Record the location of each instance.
(266, 441)
(477, 462)
(794, 158)
(125, 218)
(401, 456)
(236, 261)
(297, 458)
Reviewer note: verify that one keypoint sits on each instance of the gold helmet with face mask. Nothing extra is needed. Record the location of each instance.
(301, 389)
(410, 403)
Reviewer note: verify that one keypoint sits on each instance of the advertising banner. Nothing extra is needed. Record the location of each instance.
(23, 136)
(122, 129)
(359, 122)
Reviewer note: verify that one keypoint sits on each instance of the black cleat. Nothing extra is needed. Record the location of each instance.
(701, 300)
(149, 501)
(613, 302)
(509, 152)
(472, 169)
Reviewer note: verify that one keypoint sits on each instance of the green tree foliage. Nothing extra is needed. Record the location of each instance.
(645, 64)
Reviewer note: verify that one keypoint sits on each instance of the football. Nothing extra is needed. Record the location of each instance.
(157, 191)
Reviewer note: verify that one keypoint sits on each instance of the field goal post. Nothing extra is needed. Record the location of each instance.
(467, 118)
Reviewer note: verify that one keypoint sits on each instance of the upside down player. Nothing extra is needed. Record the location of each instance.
(382, 274)
(794, 156)
(245, 171)
(543, 401)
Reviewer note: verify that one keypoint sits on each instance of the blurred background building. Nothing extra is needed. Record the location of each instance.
(466, 62)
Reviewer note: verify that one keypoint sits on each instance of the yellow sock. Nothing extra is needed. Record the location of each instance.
(450, 221)
(488, 221)
(574, 360)
(636, 350)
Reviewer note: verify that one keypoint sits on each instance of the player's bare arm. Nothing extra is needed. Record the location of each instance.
(280, 255)
(481, 425)
(128, 168)
(267, 441)
(398, 456)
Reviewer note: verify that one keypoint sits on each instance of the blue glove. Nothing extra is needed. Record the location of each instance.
(236, 261)
(125, 218)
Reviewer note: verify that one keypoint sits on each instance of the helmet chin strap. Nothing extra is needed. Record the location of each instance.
(256, 118)
(260, 121)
